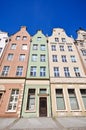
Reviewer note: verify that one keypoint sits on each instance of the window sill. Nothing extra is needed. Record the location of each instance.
(61, 110)
(27, 111)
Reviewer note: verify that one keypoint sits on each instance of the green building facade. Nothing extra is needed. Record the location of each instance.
(36, 101)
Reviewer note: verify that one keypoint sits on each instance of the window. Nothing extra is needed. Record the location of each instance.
(33, 71)
(19, 71)
(70, 48)
(64, 58)
(84, 36)
(34, 57)
(22, 57)
(56, 72)
(13, 100)
(42, 58)
(61, 48)
(24, 46)
(38, 38)
(18, 38)
(43, 91)
(83, 94)
(60, 99)
(0, 95)
(42, 71)
(84, 52)
(54, 58)
(53, 47)
(31, 100)
(66, 72)
(24, 37)
(0, 49)
(73, 59)
(13, 46)
(5, 70)
(10, 57)
(35, 47)
(73, 99)
(42, 47)
(76, 70)
(56, 39)
(63, 40)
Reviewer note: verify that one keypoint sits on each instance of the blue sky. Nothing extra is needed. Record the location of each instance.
(42, 14)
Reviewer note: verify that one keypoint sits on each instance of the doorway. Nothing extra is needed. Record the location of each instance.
(42, 106)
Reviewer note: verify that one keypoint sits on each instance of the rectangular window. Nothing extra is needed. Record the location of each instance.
(60, 99)
(54, 58)
(5, 70)
(73, 99)
(83, 52)
(66, 72)
(13, 46)
(83, 94)
(42, 47)
(76, 70)
(73, 59)
(38, 38)
(56, 39)
(10, 57)
(63, 40)
(19, 70)
(34, 57)
(22, 57)
(33, 71)
(18, 38)
(31, 100)
(24, 37)
(43, 91)
(35, 46)
(53, 47)
(24, 46)
(61, 48)
(13, 100)
(64, 58)
(0, 95)
(56, 72)
(42, 71)
(42, 58)
(0, 49)
(70, 48)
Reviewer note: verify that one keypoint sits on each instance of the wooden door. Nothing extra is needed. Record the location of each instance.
(43, 106)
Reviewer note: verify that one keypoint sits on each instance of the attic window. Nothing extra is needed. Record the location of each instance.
(38, 38)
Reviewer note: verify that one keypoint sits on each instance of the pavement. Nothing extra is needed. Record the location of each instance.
(61, 123)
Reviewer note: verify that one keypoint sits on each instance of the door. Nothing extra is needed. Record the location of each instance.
(43, 106)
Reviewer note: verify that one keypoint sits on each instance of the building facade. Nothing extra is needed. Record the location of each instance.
(67, 76)
(43, 76)
(81, 46)
(3, 42)
(13, 72)
(36, 101)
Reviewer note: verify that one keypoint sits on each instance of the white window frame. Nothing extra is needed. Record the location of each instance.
(5, 70)
(13, 100)
(19, 70)
(42, 71)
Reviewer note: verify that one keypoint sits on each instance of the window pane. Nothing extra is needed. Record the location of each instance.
(42, 47)
(31, 100)
(73, 99)
(83, 93)
(19, 70)
(33, 71)
(13, 100)
(60, 99)
(10, 57)
(24, 46)
(5, 70)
